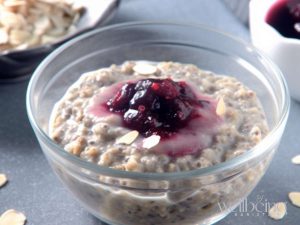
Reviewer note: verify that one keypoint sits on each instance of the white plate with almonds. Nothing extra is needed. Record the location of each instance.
(30, 29)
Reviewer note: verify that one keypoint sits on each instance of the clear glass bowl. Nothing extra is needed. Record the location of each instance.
(201, 196)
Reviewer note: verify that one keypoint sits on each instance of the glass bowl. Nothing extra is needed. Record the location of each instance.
(201, 196)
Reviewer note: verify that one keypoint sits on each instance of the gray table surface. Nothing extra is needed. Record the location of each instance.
(33, 187)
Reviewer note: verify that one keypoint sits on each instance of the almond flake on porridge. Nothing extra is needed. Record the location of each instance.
(144, 69)
(277, 211)
(12, 217)
(151, 141)
(3, 179)
(295, 198)
(296, 159)
(221, 108)
(128, 138)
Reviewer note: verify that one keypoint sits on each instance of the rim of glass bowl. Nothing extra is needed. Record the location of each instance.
(254, 152)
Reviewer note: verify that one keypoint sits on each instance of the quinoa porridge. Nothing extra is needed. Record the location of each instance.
(112, 117)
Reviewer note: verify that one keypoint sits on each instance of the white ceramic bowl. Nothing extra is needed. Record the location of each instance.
(285, 52)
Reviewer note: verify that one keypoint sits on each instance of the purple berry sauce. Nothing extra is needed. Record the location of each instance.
(156, 106)
(185, 120)
(284, 16)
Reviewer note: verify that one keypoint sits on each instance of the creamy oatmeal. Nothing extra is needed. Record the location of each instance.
(204, 119)
(83, 127)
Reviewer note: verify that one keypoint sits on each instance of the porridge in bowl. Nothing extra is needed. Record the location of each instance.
(159, 118)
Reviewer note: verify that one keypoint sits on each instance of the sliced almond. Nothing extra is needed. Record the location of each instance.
(17, 37)
(151, 141)
(76, 18)
(24, 10)
(45, 39)
(72, 29)
(22, 46)
(42, 25)
(3, 36)
(221, 107)
(34, 40)
(296, 159)
(58, 20)
(50, 1)
(295, 198)
(43, 7)
(128, 138)
(278, 211)
(12, 217)
(3, 179)
(12, 20)
(144, 69)
(38, 18)
(58, 31)
(14, 3)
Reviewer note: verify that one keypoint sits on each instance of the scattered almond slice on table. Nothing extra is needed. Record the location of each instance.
(144, 69)
(278, 211)
(128, 138)
(295, 198)
(296, 159)
(221, 107)
(3, 179)
(12, 217)
(151, 141)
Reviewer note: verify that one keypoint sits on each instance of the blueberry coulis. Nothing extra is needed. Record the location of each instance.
(185, 120)
(156, 106)
(284, 16)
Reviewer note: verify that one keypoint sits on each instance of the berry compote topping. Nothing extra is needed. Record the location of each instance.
(284, 16)
(156, 106)
(185, 120)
